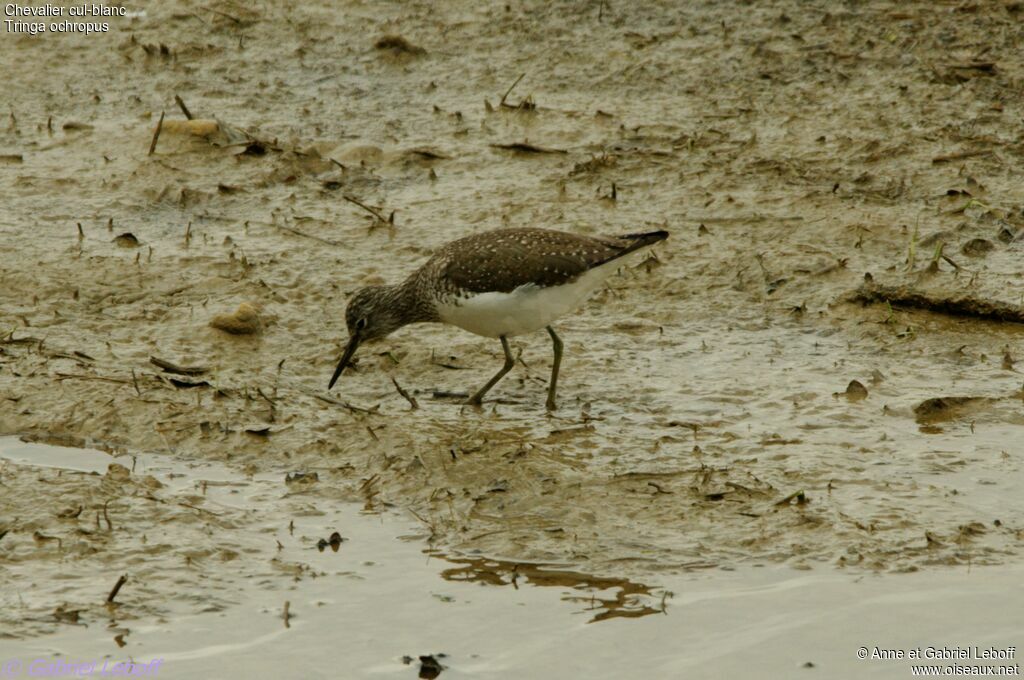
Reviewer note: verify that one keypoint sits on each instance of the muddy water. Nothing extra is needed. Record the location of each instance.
(380, 602)
(705, 420)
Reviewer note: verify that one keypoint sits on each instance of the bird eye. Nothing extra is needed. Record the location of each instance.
(360, 324)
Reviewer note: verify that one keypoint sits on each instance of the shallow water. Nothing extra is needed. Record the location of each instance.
(379, 598)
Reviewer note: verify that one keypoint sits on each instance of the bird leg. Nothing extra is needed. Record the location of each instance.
(556, 343)
(477, 398)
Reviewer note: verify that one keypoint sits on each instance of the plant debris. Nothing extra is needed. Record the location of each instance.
(964, 305)
(526, 147)
(397, 44)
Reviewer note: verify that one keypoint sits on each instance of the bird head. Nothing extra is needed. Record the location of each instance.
(370, 316)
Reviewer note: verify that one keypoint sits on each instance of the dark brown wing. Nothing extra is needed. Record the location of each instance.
(506, 259)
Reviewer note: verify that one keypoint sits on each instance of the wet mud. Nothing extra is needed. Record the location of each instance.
(706, 416)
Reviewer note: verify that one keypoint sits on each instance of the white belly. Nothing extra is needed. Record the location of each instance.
(524, 310)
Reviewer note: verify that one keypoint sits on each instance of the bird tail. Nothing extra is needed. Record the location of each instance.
(634, 242)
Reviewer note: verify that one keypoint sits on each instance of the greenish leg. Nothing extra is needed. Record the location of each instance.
(556, 343)
(478, 398)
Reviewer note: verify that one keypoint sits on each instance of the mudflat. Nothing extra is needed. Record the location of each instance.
(817, 369)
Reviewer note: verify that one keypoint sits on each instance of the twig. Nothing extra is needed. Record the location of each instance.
(77, 376)
(987, 66)
(798, 495)
(198, 509)
(156, 134)
(287, 615)
(350, 407)
(509, 90)
(135, 382)
(184, 109)
(949, 260)
(368, 209)
(117, 587)
(368, 483)
(408, 397)
(961, 155)
(77, 356)
(305, 235)
(174, 368)
(442, 394)
(433, 360)
(110, 526)
(526, 147)
(223, 14)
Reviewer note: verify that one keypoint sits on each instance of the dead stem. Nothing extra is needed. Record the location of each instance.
(156, 134)
(168, 367)
(184, 109)
(408, 397)
(511, 87)
(370, 210)
(117, 588)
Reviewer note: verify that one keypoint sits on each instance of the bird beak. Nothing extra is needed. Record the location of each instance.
(353, 343)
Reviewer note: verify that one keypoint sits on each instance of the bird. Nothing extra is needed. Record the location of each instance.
(497, 284)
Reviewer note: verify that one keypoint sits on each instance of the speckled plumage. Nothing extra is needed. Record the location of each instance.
(505, 259)
(497, 284)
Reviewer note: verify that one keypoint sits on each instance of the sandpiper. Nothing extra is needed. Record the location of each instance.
(497, 284)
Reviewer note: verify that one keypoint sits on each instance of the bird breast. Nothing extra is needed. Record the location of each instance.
(526, 309)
